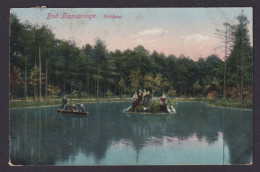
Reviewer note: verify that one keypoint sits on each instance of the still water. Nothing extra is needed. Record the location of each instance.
(197, 134)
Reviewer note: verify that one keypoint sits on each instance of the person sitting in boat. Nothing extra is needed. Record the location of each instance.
(139, 100)
(64, 102)
(81, 108)
(73, 107)
(163, 103)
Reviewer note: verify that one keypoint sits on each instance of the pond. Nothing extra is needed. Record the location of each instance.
(196, 134)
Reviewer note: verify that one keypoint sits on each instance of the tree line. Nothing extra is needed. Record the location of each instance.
(43, 67)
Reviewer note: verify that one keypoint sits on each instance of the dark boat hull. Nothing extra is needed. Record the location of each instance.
(72, 112)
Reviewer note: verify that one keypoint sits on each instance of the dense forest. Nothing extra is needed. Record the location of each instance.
(43, 67)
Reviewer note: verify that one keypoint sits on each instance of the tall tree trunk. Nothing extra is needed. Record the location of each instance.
(34, 92)
(115, 89)
(242, 77)
(49, 77)
(242, 69)
(46, 84)
(85, 90)
(225, 72)
(104, 89)
(80, 88)
(25, 80)
(88, 87)
(98, 83)
(96, 87)
(34, 87)
(225, 67)
(40, 78)
(152, 92)
(63, 87)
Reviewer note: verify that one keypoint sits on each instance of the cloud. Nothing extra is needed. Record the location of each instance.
(151, 41)
(152, 32)
(196, 37)
(141, 41)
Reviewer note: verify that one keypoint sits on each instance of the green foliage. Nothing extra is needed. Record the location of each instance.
(171, 102)
(240, 61)
(15, 76)
(122, 84)
(92, 69)
(53, 90)
(34, 75)
(74, 94)
(135, 79)
(157, 84)
(197, 86)
(171, 92)
(212, 96)
(154, 106)
(109, 93)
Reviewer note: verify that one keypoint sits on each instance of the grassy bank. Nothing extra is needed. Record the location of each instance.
(219, 102)
(232, 104)
(30, 103)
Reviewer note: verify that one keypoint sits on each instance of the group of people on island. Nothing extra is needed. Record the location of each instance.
(71, 107)
(144, 99)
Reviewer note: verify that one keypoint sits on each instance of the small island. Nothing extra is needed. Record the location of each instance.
(143, 102)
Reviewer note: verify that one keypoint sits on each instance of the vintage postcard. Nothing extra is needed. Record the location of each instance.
(131, 86)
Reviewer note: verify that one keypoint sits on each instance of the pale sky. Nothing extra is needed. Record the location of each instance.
(188, 31)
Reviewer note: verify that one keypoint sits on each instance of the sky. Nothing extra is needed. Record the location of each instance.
(187, 31)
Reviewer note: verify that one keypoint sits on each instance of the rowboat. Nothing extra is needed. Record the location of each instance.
(72, 112)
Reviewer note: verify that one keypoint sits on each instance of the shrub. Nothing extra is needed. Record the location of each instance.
(248, 94)
(53, 90)
(171, 102)
(171, 92)
(212, 95)
(74, 94)
(109, 93)
(154, 106)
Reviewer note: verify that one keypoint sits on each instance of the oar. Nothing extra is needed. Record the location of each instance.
(63, 108)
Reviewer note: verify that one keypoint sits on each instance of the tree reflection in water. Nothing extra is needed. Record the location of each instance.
(41, 136)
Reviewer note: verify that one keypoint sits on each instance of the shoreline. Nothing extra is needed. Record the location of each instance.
(219, 106)
(237, 108)
(54, 102)
(83, 101)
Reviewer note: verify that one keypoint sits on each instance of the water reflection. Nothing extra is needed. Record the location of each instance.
(108, 136)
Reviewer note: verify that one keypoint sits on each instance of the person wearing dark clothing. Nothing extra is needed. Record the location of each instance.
(163, 104)
(64, 101)
(134, 105)
(147, 99)
(140, 96)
